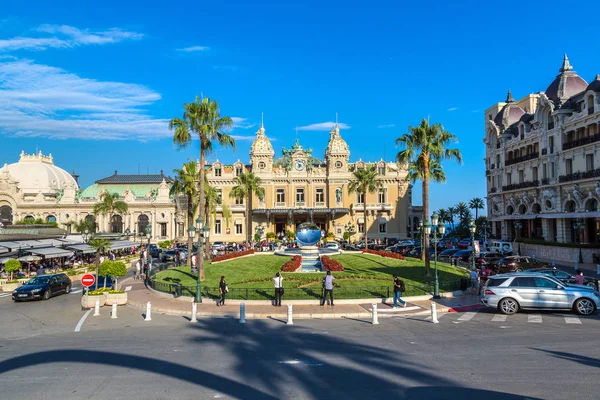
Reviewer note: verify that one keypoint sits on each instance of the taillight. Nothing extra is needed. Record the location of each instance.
(512, 264)
(487, 291)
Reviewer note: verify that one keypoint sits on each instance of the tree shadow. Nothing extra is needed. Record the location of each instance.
(587, 361)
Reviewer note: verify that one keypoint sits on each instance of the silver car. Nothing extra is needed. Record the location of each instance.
(532, 291)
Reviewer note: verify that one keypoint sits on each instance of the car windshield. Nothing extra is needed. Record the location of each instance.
(38, 280)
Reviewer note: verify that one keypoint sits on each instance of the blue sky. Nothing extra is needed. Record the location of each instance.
(96, 86)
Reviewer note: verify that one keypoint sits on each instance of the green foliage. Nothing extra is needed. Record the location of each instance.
(84, 225)
(270, 235)
(165, 244)
(37, 221)
(105, 268)
(110, 204)
(118, 269)
(290, 234)
(364, 181)
(12, 266)
(246, 185)
(346, 235)
(257, 237)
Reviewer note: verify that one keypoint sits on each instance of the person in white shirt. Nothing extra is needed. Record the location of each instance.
(327, 288)
(278, 284)
(138, 269)
(474, 282)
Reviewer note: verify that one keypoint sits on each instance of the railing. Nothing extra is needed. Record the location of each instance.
(319, 204)
(579, 175)
(526, 157)
(545, 181)
(581, 141)
(280, 204)
(493, 190)
(522, 185)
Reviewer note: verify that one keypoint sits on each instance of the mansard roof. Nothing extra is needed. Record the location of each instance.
(148, 178)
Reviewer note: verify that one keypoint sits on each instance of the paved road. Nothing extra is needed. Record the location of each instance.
(466, 355)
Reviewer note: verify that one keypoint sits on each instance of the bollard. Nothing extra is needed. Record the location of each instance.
(375, 321)
(194, 312)
(290, 321)
(434, 318)
(97, 308)
(113, 315)
(553, 263)
(148, 312)
(242, 313)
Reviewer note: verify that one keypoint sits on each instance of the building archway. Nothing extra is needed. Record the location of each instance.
(116, 224)
(51, 218)
(6, 216)
(591, 205)
(570, 206)
(522, 209)
(536, 208)
(510, 210)
(142, 223)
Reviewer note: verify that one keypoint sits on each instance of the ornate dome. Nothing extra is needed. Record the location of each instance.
(566, 84)
(261, 145)
(595, 85)
(509, 114)
(37, 173)
(336, 144)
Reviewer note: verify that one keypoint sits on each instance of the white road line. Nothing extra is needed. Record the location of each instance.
(127, 288)
(534, 318)
(82, 320)
(569, 319)
(4, 294)
(467, 316)
(76, 291)
(385, 310)
(499, 318)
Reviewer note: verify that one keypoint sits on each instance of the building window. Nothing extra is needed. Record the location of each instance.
(590, 104)
(381, 170)
(163, 229)
(217, 171)
(550, 120)
(521, 176)
(217, 227)
(382, 227)
(569, 166)
(299, 195)
(497, 160)
(535, 173)
(381, 196)
(361, 227)
(338, 164)
(551, 143)
(219, 193)
(320, 195)
(360, 198)
(545, 171)
(280, 195)
(589, 162)
(238, 227)
(508, 179)
(238, 170)
(261, 165)
(239, 201)
(552, 169)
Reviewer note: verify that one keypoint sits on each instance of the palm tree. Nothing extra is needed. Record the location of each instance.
(451, 214)
(364, 181)
(101, 246)
(477, 204)
(247, 184)
(84, 225)
(185, 182)
(443, 215)
(203, 118)
(425, 146)
(109, 205)
(463, 212)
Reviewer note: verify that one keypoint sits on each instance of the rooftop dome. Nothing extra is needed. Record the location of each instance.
(566, 84)
(37, 173)
(261, 145)
(595, 85)
(510, 113)
(336, 144)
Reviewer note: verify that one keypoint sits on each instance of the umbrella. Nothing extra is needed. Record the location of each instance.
(29, 258)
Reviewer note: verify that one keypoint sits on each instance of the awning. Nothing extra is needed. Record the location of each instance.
(82, 248)
(53, 242)
(4, 249)
(122, 244)
(590, 214)
(51, 252)
(12, 245)
(29, 243)
(361, 220)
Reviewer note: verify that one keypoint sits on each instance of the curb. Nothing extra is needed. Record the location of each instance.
(473, 307)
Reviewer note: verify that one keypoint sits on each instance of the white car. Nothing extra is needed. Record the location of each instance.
(332, 245)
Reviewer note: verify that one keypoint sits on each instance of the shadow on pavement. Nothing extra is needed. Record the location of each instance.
(587, 361)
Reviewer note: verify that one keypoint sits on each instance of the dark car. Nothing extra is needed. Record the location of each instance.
(42, 287)
(565, 276)
(170, 255)
(449, 252)
(518, 264)
(155, 252)
(462, 255)
(487, 258)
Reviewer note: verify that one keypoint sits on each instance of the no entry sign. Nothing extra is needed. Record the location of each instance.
(88, 280)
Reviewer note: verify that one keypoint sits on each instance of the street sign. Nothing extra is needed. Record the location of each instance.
(88, 280)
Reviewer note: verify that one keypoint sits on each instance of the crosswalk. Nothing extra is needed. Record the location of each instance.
(75, 291)
(531, 318)
(5, 295)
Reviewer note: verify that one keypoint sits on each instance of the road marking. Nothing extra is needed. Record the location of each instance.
(82, 320)
(127, 288)
(391, 310)
(534, 318)
(467, 316)
(499, 318)
(76, 291)
(4, 294)
(569, 319)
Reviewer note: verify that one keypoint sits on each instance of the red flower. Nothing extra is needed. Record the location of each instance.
(292, 265)
(233, 255)
(331, 265)
(383, 253)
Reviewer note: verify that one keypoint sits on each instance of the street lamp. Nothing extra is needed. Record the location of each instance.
(148, 232)
(421, 233)
(127, 232)
(472, 230)
(199, 229)
(518, 226)
(85, 235)
(578, 226)
(438, 227)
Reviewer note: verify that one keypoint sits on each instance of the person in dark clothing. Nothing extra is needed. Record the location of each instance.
(223, 289)
(278, 283)
(327, 288)
(398, 289)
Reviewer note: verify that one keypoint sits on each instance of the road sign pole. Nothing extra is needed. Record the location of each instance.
(86, 297)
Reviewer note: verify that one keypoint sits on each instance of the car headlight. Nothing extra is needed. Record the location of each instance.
(36, 290)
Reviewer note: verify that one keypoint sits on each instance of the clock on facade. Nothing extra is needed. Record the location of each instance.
(299, 165)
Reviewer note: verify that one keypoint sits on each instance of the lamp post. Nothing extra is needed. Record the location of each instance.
(472, 230)
(421, 233)
(85, 235)
(148, 232)
(437, 227)
(203, 233)
(578, 226)
(518, 226)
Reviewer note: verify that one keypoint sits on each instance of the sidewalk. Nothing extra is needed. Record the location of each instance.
(139, 295)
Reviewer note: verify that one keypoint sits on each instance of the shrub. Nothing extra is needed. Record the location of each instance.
(270, 235)
(12, 266)
(233, 255)
(383, 253)
(164, 245)
(292, 265)
(331, 265)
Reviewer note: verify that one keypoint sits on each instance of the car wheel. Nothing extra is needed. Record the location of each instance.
(46, 295)
(508, 306)
(68, 289)
(518, 269)
(584, 307)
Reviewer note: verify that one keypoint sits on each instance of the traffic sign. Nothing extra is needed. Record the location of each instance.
(88, 280)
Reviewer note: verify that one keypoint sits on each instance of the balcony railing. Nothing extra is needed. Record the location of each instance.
(575, 176)
(319, 204)
(300, 204)
(581, 141)
(280, 204)
(545, 181)
(526, 157)
(523, 185)
(493, 190)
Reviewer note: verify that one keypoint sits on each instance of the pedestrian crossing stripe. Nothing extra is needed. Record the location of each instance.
(4, 294)
(531, 318)
(499, 318)
(76, 291)
(467, 316)
(534, 318)
(569, 319)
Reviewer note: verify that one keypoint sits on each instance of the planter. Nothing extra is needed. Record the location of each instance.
(91, 303)
(119, 298)
(9, 287)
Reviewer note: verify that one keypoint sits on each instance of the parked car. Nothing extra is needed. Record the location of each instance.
(462, 255)
(219, 245)
(449, 252)
(332, 245)
(170, 255)
(501, 247)
(565, 276)
(487, 258)
(42, 287)
(464, 243)
(155, 252)
(510, 293)
(518, 264)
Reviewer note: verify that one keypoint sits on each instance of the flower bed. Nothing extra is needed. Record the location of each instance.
(331, 265)
(292, 265)
(383, 253)
(231, 256)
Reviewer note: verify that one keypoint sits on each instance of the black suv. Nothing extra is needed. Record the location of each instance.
(566, 277)
(518, 264)
(42, 287)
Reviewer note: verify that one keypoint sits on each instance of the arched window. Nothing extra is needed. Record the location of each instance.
(522, 209)
(590, 104)
(550, 120)
(570, 206)
(536, 208)
(50, 218)
(510, 210)
(116, 224)
(591, 205)
(143, 221)
(29, 218)
(6, 217)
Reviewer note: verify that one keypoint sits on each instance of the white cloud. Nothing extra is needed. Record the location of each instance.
(322, 126)
(242, 137)
(44, 101)
(193, 49)
(452, 109)
(242, 123)
(64, 36)
(387, 126)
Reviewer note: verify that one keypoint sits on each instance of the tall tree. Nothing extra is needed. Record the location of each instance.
(451, 214)
(110, 204)
(203, 119)
(247, 184)
(424, 148)
(463, 212)
(443, 215)
(101, 246)
(364, 180)
(477, 204)
(185, 182)
(84, 225)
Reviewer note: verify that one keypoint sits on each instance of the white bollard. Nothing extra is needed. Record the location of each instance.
(290, 320)
(194, 312)
(97, 308)
(242, 313)
(148, 312)
(113, 315)
(434, 313)
(375, 321)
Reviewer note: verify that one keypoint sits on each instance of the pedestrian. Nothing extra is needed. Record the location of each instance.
(223, 289)
(138, 270)
(579, 278)
(327, 288)
(278, 283)
(474, 282)
(398, 289)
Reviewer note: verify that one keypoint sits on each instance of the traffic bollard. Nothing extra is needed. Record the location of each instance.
(290, 320)
(113, 315)
(375, 321)
(194, 312)
(148, 312)
(242, 313)
(97, 308)
(434, 313)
